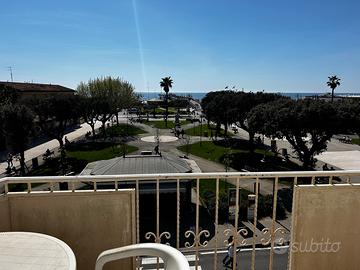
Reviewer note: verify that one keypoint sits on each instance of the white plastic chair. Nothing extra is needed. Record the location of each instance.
(173, 259)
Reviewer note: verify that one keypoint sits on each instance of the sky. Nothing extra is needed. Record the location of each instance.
(204, 45)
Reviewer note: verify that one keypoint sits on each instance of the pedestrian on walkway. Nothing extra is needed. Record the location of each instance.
(325, 167)
(67, 142)
(10, 160)
(156, 150)
(228, 260)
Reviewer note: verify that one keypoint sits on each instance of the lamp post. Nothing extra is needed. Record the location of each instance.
(263, 142)
(201, 118)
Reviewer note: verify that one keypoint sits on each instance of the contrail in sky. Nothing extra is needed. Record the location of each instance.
(139, 44)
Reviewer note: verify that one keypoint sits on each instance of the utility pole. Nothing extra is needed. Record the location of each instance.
(11, 73)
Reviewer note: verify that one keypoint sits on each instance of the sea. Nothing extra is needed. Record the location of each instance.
(200, 95)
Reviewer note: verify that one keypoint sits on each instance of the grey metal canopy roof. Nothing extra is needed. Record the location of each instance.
(137, 164)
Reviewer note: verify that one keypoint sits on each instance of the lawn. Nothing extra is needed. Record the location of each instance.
(79, 155)
(123, 130)
(207, 150)
(170, 124)
(205, 131)
(98, 151)
(356, 141)
(161, 111)
(236, 154)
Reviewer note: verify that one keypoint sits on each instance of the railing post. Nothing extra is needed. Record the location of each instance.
(6, 188)
(236, 236)
(177, 213)
(272, 232)
(158, 240)
(137, 212)
(197, 236)
(216, 221)
(255, 223)
(137, 219)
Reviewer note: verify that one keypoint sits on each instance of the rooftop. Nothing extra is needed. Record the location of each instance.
(138, 164)
(36, 87)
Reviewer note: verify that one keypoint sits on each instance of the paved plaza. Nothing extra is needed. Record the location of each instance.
(162, 138)
(344, 160)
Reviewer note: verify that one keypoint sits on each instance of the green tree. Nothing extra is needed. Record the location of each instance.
(89, 111)
(101, 90)
(333, 82)
(17, 122)
(56, 114)
(229, 107)
(125, 96)
(8, 95)
(247, 101)
(307, 125)
(349, 115)
(108, 96)
(220, 107)
(166, 84)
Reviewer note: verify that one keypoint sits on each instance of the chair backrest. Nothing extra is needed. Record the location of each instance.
(173, 259)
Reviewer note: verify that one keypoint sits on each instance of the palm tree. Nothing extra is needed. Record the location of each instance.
(166, 84)
(333, 82)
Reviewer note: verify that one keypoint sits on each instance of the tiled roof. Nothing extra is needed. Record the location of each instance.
(36, 87)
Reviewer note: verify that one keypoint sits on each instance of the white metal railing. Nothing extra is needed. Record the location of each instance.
(197, 237)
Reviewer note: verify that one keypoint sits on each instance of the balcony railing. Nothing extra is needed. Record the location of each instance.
(182, 215)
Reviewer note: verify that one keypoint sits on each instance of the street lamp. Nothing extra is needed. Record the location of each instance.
(201, 118)
(263, 142)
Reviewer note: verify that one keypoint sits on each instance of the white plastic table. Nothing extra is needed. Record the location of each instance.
(34, 251)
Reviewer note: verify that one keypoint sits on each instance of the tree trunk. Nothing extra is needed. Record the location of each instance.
(251, 141)
(117, 118)
(225, 129)
(167, 108)
(332, 94)
(217, 131)
(307, 160)
(103, 128)
(22, 163)
(62, 154)
(61, 143)
(93, 130)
